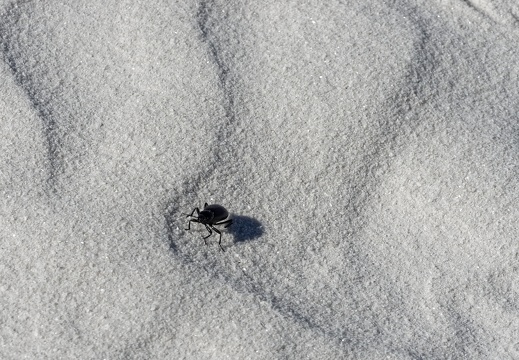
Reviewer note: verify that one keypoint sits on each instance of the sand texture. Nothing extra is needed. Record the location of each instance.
(367, 150)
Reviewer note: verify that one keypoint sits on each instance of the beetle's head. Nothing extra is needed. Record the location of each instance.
(205, 216)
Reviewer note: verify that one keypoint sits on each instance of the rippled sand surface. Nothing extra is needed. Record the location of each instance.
(367, 150)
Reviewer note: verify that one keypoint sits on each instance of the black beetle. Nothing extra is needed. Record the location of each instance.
(210, 216)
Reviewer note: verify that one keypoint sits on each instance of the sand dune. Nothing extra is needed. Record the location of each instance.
(368, 153)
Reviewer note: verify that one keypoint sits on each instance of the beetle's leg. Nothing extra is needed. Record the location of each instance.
(220, 233)
(205, 205)
(228, 222)
(192, 212)
(210, 233)
(189, 223)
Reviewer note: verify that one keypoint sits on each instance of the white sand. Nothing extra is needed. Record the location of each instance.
(368, 151)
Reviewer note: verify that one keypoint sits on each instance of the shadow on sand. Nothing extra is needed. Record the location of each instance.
(245, 229)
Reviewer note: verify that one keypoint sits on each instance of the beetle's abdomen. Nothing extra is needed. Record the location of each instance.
(219, 212)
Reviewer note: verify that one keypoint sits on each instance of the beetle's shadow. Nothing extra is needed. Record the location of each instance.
(245, 228)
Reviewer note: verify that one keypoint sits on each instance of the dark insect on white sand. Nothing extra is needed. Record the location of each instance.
(210, 216)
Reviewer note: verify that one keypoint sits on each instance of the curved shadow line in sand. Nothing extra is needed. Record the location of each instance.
(53, 143)
(251, 230)
(223, 70)
(202, 17)
(243, 287)
(482, 12)
(421, 68)
(202, 21)
(169, 213)
(421, 71)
